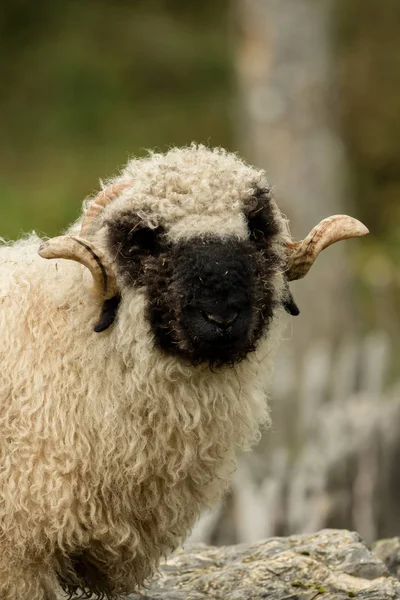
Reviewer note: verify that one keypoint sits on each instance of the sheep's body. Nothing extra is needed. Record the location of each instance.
(109, 447)
(112, 443)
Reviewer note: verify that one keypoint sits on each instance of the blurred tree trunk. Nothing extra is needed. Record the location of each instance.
(318, 467)
(288, 120)
(289, 126)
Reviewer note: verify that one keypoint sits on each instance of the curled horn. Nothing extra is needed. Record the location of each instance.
(83, 252)
(302, 255)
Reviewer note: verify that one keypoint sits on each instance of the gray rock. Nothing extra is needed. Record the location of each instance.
(389, 552)
(329, 565)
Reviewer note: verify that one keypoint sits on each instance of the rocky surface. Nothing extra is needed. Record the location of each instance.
(329, 565)
(389, 552)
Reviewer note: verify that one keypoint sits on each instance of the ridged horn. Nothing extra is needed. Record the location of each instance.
(90, 223)
(302, 255)
(83, 252)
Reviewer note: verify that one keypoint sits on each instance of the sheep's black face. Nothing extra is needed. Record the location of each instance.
(215, 280)
(213, 290)
(209, 299)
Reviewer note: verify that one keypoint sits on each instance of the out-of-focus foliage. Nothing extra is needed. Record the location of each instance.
(85, 84)
(369, 34)
(368, 52)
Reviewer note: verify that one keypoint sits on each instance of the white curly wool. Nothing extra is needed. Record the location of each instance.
(106, 442)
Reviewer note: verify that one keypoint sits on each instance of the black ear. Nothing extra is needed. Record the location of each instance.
(288, 302)
(108, 314)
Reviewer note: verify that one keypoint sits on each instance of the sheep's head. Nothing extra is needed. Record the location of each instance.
(199, 233)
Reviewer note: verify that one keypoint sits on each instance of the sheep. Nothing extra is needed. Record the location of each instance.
(134, 363)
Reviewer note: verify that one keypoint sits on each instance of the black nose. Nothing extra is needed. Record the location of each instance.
(223, 321)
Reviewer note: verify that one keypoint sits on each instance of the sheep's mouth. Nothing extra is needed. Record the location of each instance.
(216, 355)
(196, 339)
(218, 333)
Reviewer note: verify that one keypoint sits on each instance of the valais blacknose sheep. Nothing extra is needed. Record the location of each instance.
(131, 372)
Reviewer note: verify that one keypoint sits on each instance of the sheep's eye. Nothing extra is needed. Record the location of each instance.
(260, 219)
(144, 239)
(258, 225)
(133, 245)
(129, 237)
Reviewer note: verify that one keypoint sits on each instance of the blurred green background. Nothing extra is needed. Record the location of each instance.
(87, 84)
